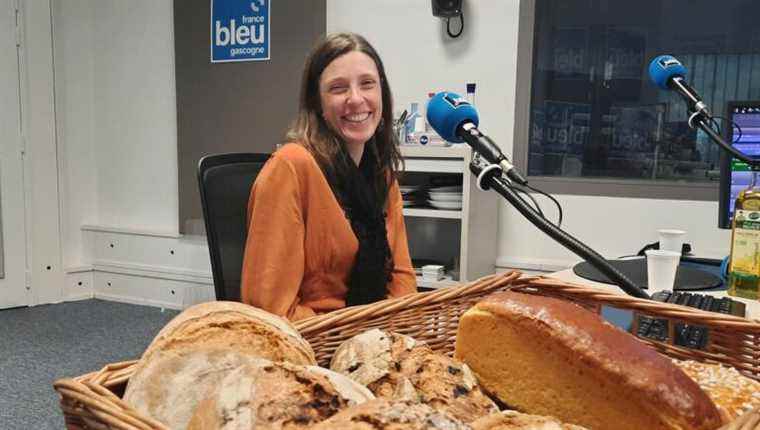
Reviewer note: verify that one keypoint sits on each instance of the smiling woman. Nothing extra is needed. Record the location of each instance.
(325, 222)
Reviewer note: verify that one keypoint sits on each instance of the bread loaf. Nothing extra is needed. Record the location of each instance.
(547, 356)
(732, 392)
(198, 347)
(169, 386)
(276, 396)
(236, 325)
(512, 420)
(397, 367)
(382, 414)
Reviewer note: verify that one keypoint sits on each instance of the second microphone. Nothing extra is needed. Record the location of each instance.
(456, 120)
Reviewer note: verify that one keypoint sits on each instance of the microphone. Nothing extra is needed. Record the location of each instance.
(456, 120)
(669, 74)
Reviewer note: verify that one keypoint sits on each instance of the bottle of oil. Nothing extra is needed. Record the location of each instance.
(744, 271)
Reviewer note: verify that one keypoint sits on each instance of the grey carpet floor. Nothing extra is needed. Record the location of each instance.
(41, 344)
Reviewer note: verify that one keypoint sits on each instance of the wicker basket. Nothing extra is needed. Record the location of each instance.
(92, 401)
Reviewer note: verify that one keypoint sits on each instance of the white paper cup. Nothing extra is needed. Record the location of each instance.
(671, 240)
(661, 269)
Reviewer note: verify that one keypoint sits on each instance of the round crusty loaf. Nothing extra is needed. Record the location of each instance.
(170, 385)
(235, 325)
(197, 348)
(397, 367)
(548, 356)
(382, 414)
(512, 420)
(274, 396)
(732, 392)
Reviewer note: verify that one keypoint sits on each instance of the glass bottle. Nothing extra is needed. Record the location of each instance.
(744, 270)
(471, 93)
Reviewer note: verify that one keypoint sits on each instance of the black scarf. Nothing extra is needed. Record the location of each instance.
(363, 202)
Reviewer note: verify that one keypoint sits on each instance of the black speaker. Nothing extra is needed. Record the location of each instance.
(447, 8)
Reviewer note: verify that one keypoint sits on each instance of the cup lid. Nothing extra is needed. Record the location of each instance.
(662, 253)
(670, 231)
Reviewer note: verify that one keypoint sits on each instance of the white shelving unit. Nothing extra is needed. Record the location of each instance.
(432, 213)
(478, 217)
(443, 283)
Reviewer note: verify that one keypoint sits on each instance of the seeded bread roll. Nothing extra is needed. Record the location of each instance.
(547, 356)
(382, 414)
(732, 392)
(512, 420)
(235, 325)
(373, 359)
(397, 367)
(276, 396)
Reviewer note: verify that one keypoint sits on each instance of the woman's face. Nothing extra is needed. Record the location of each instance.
(351, 97)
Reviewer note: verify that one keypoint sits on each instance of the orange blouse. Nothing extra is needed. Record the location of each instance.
(301, 248)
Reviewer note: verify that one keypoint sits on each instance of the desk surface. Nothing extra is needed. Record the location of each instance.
(753, 306)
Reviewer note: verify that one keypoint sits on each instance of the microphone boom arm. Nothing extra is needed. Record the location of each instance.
(489, 177)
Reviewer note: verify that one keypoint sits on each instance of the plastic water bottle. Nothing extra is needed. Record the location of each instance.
(409, 124)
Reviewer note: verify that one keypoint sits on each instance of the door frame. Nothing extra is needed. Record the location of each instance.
(44, 264)
(16, 287)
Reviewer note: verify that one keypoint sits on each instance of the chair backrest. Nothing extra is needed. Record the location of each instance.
(225, 184)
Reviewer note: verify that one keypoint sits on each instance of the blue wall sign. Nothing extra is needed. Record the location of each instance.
(240, 30)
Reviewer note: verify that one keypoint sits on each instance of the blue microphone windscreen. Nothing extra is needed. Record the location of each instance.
(664, 67)
(447, 111)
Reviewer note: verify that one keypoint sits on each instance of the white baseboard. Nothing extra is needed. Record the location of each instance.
(142, 287)
(153, 271)
(134, 300)
(160, 269)
(130, 231)
(78, 284)
(79, 297)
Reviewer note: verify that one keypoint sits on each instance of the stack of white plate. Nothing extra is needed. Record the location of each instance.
(409, 194)
(448, 198)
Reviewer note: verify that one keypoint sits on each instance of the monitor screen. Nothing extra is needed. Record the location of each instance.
(735, 175)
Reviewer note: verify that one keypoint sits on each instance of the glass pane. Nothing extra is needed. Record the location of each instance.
(594, 112)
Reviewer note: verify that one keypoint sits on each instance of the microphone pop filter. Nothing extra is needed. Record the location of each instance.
(447, 111)
(664, 67)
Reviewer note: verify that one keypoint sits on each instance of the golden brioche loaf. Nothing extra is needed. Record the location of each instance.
(267, 395)
(512, 420)
(235, 325)
(732, 392)
(397, 367)
(547, 356)
(383, 414)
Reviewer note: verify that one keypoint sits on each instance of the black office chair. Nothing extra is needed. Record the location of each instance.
(225, 184)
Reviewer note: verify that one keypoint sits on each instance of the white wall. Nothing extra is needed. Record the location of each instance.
(134, 114)
(419, 57)
(73, 44)
(117, 117)
(612, 226)
(117, 142)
